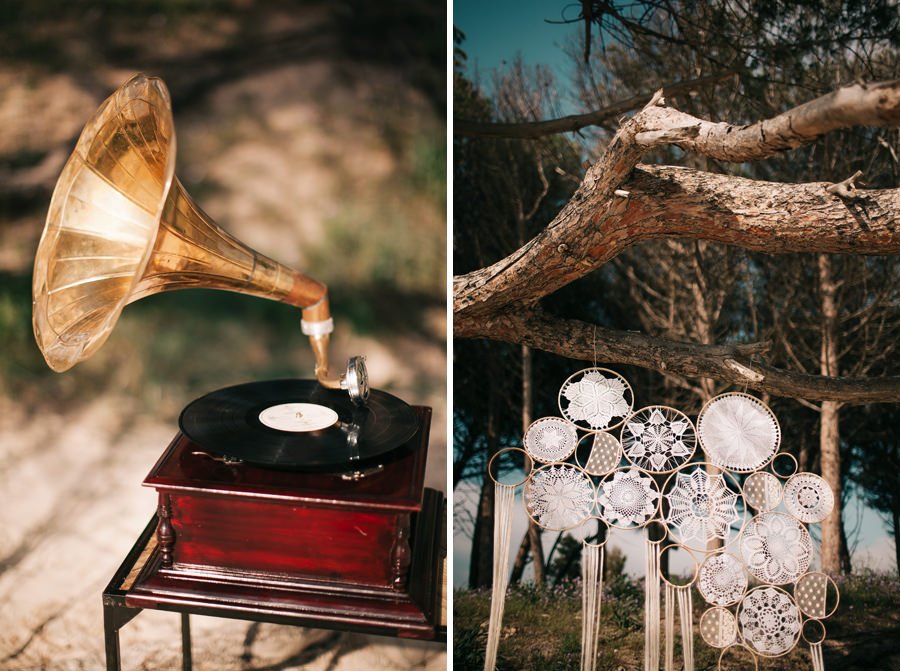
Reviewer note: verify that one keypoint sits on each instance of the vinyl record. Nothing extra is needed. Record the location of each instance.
(254, 423)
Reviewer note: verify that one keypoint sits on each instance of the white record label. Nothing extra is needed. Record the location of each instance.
(298, 417)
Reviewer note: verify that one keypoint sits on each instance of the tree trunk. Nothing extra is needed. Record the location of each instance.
(895, 517)
(481, 560)
(829, 431)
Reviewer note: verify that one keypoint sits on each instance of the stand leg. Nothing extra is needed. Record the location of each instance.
(186, 659)
(111, 634)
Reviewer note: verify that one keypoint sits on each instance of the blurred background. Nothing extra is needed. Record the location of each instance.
(312, 131)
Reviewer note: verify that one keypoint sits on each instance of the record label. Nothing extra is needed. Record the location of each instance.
(298, 417)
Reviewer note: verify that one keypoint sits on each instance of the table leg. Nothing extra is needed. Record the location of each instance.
(186, 660)
(115, 617)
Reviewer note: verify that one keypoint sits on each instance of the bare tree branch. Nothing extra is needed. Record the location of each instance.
(729, 363)
(574, 122)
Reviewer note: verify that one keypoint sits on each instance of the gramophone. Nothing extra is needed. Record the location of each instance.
(289, 497)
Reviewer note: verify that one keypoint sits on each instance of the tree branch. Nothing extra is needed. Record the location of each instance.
(535, 129)
(728, 363)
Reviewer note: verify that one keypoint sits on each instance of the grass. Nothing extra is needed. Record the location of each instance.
(542, 629)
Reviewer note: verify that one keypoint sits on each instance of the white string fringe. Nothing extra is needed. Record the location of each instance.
(591, 597)
(815, 651)
(670, 628)
(651, 606)
(504, 497)
(686, 616)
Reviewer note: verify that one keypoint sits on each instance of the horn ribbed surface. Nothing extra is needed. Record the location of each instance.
(103, 221)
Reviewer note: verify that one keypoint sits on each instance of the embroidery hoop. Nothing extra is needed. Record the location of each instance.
(816, 622)
(527, 471)
(784, 455)
(558, 423)
(740, 563)
(651, 517)
(736, 485)
(679, 546)
(665, 410)
(593, 436)
(799, 511)
(768, 478)
(741, 631)
(547, 467)
(809, 544)
(738, 645)
(704, 624)
(829, 582)
(712, 452)
(583, 424)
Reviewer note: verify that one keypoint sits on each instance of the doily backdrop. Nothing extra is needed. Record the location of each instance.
(737, 506)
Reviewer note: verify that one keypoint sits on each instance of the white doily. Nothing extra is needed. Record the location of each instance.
(738, 432)
(718, 627)
(762, 490)
(594, 397)
(606, 453)
(808, 497)
(776, 548)
(658, 439)
(722, 579)
(769, 621)
(627, 498)
(559, 497)
(811, 594)
(550, 439)
(700, 507)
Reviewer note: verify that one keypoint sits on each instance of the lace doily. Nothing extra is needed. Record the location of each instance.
(700, 507)
(776, 548)
(606, 453)
(722, 579)
(559, 496)
(738, 432)
(811, 593)
(769, 621)
(592, 398)
(627, 498)
(762, 490)
(550, 439)
(808, 497)
(718, 627)
(658, 439)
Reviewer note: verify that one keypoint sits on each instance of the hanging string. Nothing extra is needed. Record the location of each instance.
(669, 664)
(591, 597)
(594, 345)
(815, 651)
(504, 497)
(686, 617)
(651, 606)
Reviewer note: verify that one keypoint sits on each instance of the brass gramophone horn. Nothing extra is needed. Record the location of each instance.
(122, 227)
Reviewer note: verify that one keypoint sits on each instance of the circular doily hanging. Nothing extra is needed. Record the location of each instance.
(762, 491)
(812, 595)
(808, 497)
(776, 548)
(596, 398)
(738, 432)
(658, 439)
(699, 506)
(559, 496)
(769, 621)
(627, 498)
(722, 580)
(606, 453)
(718, 627)
(550, 439)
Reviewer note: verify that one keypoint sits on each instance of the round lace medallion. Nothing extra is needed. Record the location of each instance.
(596, 398)
(722, 580)
(627, 498)
(550, 439)
(812, 595)
(769, 621)
(738, 432)
(606, 453)
(808, 497)
(718, 627)
(559, 496)
(658, 439)
(776, 548)
(762, 490)
(699, 506)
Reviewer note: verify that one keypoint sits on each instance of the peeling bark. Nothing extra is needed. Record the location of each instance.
(620, 203)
